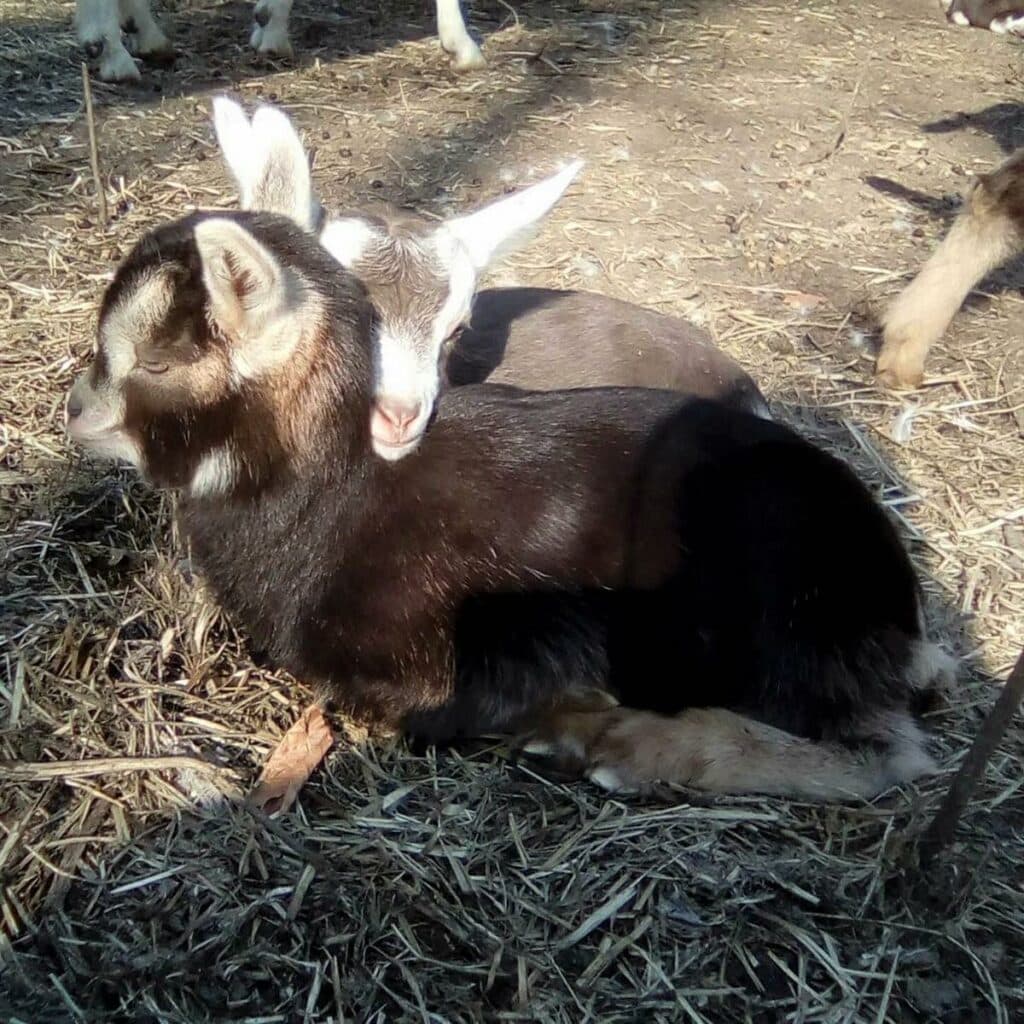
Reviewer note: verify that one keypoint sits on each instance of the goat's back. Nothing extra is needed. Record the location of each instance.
(542, 338)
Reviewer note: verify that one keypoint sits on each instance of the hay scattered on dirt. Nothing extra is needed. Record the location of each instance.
(768, 170)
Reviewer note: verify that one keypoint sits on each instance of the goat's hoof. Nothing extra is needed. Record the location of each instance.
(271, 44)
(889, 379)
(469, 61)
(118, 67)
(900, 374)
(466, 58)
(269, 39)
(1008, 23)
(609, 780)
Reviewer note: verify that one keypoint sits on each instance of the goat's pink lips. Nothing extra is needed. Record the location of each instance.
(392, 451)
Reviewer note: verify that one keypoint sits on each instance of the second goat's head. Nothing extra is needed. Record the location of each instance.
(420, 274)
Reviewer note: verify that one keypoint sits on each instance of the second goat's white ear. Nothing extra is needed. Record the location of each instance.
(284, 184)
(502, 226)
(267, 160)
(235, 138)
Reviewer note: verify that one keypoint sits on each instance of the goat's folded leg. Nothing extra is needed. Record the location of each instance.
(713, 749)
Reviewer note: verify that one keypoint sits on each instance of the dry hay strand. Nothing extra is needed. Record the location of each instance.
(465, 886)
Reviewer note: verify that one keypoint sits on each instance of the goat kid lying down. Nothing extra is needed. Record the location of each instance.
(736, 592)
(422, 276)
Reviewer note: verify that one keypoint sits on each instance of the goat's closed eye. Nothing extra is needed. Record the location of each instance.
(153, 366)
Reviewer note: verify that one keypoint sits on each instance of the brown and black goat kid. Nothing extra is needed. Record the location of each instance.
(739, 602)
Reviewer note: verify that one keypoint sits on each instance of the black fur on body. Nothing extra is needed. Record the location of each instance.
(668, 549)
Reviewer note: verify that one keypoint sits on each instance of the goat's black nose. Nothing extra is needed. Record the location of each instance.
(74, 408)
(93, 49)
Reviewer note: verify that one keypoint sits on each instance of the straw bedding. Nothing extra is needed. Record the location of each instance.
(775, 171)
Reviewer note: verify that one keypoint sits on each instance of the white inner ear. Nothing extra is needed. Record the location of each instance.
(264, 314)
(503, 225)
(347, 239)
(237, 268)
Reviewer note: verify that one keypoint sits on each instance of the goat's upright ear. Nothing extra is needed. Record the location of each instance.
(501, 226)
(242, 277)
(267, 160)
(238, 145)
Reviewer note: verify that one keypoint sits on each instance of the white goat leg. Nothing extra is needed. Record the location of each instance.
(270, 35)
(451, 31)
(99, 32)
(145, 37)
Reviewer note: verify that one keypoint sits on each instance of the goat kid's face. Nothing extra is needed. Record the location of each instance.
(420, 275)
(201, 323)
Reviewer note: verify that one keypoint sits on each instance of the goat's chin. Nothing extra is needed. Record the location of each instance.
(391, 451)
(107, 446)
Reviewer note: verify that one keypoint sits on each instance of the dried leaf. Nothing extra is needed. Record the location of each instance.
(292, 761)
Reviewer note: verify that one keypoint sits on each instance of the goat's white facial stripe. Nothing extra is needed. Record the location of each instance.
(216, 473)
(141, 309)
(347, 239)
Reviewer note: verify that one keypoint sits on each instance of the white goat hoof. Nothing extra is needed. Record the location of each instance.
(466, 57)
(273, 44)
(539, 748)
(118, 66)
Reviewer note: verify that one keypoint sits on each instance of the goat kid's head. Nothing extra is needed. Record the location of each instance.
(216, 347)
(420, 275)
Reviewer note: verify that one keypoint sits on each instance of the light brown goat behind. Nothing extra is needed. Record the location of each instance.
(988, 231)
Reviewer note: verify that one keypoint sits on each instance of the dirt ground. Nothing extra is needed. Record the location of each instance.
(773, 171)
